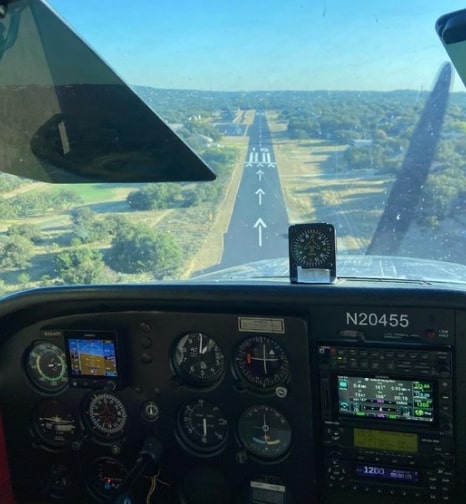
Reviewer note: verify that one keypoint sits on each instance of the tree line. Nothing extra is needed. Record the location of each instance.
(376, 129)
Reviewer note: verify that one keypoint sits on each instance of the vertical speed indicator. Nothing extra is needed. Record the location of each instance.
(262, 361)
(202, 427)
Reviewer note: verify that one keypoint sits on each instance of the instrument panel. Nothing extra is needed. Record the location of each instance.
(256, 395)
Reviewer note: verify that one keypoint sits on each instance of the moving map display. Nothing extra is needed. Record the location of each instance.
(385, 399)
(93, 357)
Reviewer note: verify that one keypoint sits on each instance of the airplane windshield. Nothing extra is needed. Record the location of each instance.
(334, 111)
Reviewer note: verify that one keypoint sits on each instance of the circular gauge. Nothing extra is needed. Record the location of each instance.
(46, 367)
(312, 246)
(202, 426)
(264, 432)
(262, 362)
(105, 475)
(198, 359)
(54, 423)
(105, 414)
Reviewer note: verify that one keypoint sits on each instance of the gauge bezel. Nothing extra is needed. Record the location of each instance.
(191, 445)
(322, 257)
(259, 455)
(109, 337)
(258, 384)
(189, 378)
(38, 432)
(92, 476)
(45, 385)
(97, 430)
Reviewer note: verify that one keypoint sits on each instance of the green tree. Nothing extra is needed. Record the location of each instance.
(88, 228)
(137, 249)
(82, 215)
(9, 182)
(80, 265)
(64, 199)
(15, 252)
(31, 203)
(154, 196)
(220, 159)
(24, 279)
(7, 210)
(29, 231)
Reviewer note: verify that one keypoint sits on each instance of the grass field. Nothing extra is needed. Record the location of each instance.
(218, 219)
(318, 188)
(315, 186)
(99, 193)
(198, 230)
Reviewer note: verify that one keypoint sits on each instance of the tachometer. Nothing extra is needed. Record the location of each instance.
(105, 414)
(46, 366)
(262, 362)
(198, 359)
(264, 432)
(202, 426)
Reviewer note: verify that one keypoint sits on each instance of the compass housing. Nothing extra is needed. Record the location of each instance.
(312, 253)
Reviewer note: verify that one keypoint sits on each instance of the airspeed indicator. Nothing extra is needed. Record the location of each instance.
(46, 367)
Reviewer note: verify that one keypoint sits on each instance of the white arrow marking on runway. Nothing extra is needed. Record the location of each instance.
(250, 157)
(260, 173)
(260, 192)
(260, 224)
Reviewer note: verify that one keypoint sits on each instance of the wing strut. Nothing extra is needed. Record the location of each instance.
(404, 197)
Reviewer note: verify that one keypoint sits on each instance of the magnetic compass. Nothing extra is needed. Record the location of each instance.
(312, 250)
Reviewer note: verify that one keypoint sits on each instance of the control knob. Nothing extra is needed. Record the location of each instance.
(336, 472)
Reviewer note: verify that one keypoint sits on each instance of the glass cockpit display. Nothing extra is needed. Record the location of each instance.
(385, 399)
(92, 355)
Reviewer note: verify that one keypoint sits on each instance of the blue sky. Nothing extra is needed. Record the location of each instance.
(266, 44)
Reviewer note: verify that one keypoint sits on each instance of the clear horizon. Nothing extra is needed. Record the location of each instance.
(262, 45)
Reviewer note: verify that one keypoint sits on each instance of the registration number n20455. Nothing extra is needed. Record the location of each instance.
(377, 319)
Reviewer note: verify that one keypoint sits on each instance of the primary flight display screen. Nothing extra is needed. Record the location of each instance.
(92, 355)
(386, 399)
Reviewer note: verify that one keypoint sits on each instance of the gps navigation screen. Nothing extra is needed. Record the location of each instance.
(385, 399)
(93, 356)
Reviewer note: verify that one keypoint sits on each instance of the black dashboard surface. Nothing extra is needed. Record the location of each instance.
(245, 387)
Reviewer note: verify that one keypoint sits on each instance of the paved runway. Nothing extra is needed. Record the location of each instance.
(259, 224)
